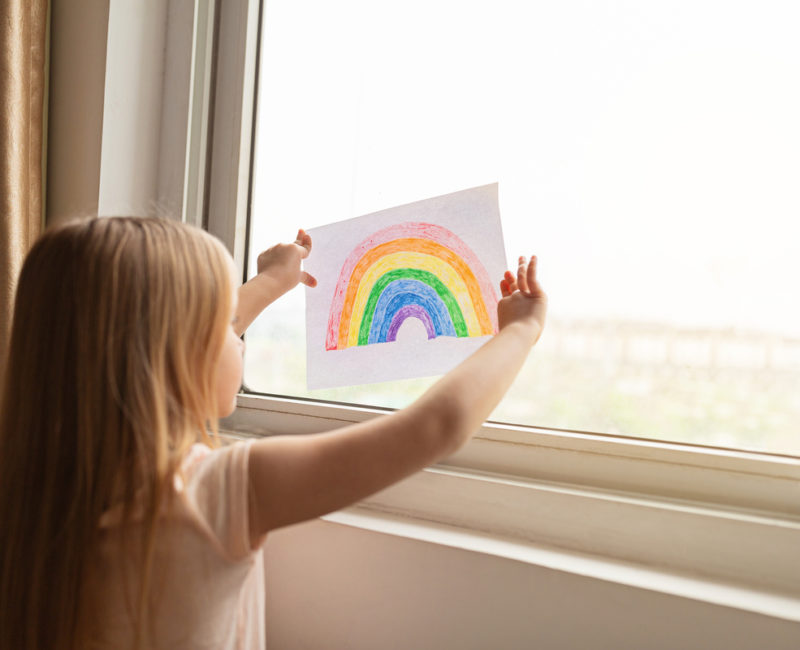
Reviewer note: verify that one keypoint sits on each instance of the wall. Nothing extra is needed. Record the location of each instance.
(78, 34)
(116, 139)
(335, 586)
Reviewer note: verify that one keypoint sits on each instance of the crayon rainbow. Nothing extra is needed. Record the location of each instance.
(410, 270)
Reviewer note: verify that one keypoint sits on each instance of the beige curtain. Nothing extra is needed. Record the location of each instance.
(23, 40)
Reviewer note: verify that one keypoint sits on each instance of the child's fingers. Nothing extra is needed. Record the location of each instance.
(504, 289)
(522, 280)
(308, 279)
(511, 282)
(304, 241)
(531, 273)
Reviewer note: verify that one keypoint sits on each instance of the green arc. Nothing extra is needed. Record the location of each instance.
(459, 324)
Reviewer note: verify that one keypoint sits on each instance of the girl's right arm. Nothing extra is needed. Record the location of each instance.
(295, 478)
(278, 271)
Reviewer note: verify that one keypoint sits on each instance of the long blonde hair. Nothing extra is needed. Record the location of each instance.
(118, 326)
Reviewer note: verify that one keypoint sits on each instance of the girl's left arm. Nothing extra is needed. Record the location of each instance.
(295, 478)
(279, 270)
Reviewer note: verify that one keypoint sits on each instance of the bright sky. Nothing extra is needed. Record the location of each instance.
(648, 152)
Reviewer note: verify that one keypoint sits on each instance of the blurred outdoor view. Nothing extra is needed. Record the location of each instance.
(648, 153)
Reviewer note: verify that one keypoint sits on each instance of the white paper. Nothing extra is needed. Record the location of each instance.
(405, 292)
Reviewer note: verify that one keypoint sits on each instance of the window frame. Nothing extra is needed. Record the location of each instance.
(720, 525)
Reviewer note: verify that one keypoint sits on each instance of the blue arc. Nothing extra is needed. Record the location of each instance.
(401, 293)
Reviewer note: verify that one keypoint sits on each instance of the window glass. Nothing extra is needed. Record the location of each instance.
(648, 153)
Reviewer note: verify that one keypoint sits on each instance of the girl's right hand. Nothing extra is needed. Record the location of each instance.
(523, 298)
(282, 263)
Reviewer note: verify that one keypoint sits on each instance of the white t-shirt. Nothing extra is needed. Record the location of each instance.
(206, 584)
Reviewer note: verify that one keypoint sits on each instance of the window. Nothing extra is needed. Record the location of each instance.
(647, 152)
(360, 109)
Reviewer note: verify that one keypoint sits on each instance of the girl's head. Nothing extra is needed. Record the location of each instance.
(121, 354)
(127, 313)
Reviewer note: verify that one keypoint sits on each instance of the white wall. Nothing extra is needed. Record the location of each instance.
(334, 586)
(133, 106)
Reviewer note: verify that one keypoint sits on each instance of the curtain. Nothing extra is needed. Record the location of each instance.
(23, 44)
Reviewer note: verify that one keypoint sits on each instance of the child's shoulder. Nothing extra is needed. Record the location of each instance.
(213, 493)
(197, 453)
(201, 455)
(224, 467)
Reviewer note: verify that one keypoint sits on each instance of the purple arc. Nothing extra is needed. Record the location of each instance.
(410, 311)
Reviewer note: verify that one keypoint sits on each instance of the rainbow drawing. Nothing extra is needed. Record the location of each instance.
(410, 270)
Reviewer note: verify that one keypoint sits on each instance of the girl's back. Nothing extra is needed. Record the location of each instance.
(118, 327)
(207, 586)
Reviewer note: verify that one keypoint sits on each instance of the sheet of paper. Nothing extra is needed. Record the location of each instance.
(405, 292)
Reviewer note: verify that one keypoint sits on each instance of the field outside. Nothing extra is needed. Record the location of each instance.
(709, 387)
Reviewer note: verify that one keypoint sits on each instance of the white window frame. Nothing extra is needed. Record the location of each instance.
(718, 525)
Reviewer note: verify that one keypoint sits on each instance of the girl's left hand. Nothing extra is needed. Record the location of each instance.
(523, 299)
(282, 263)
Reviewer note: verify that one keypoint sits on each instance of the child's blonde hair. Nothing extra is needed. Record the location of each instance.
(118, 326)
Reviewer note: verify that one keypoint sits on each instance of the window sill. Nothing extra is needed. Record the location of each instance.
(716, 525)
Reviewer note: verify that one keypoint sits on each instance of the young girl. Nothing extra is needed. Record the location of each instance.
(120, 525)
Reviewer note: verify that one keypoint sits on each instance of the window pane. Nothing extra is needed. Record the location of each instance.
(649, 153)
